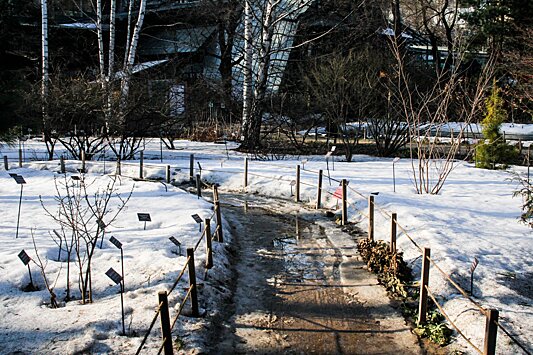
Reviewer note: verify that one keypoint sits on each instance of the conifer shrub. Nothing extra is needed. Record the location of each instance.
(493, 152)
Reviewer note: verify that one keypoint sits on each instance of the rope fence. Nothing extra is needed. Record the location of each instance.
(430, 294)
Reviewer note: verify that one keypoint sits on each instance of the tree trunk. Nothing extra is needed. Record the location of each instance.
(47, 134)
(247, 99)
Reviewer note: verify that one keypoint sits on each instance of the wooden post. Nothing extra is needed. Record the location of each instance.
(219, 234)
(6, 164)
(192, 282)
(62, 164)
(319, 191)
(297, 187)
(215, 193)
(167, 174)
(520, 146)
(191, 168)
(119, 167)
(491, 331)
(165, 322)
(20, 158)
(371, 218)
(208, 248)
(394, 220)
(504, 140)
(198, 186)
(245, 178)
(141, 165)
(83, 161)
(451, 136)
(344, 218)
(424, 281)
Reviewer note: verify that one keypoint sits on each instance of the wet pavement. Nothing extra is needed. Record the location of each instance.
(289, 294)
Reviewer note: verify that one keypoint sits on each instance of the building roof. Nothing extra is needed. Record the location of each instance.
(176, 41)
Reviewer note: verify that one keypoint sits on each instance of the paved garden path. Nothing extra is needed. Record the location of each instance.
(300, 288)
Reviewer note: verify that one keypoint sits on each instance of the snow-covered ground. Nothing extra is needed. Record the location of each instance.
(475, 215)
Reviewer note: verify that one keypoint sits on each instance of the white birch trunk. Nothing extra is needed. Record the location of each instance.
(132, 51)
(128, 31)
(45, 80)
(111, 65)
(100, 35)
(264, 51)
(112, 20)
(44, 43)
(247, 72)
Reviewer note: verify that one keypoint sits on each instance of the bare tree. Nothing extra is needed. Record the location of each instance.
(342, 87)
(427, 105)
(85, 212)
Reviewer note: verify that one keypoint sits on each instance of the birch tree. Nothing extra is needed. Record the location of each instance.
(269, 27)
(45, 79)
(122, 144)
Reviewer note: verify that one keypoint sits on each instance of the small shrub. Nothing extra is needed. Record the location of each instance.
(394, 274)
(435, 329)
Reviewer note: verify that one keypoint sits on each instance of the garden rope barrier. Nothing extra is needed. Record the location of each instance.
(179, 276)
(430, 294)
(459, 288)
(152, 323)
(513, 338)
(199, 240)
(182, 305)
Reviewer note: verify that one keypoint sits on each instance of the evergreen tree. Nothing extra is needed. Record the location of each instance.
(499, 24)
(505, 29)
(493, 152)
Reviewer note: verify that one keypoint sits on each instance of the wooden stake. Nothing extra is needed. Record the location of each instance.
(394, 220)
(62, 164)
(319, 191)
(6, 164)
(297, 192)
(167, 174)
(208, 247)
(119, 167)
(20, 158)
(165, 322)
(192, 283)
(198, 186)
(83, 161)
(141, 166)
(245, 179)
(344, 218)
(191, 168)
(491, 331)
(371, 218)
(424, 281)
(219, 234)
